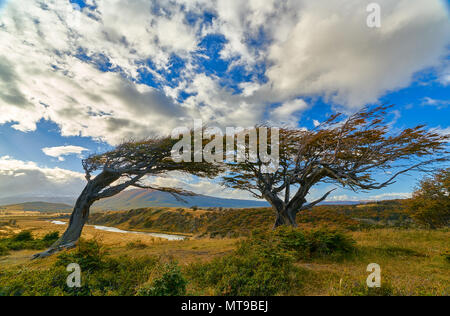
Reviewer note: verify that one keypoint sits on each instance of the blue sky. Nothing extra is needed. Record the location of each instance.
(76, 80)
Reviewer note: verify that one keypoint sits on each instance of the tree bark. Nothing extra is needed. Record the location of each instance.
(80, 214)
(285, 217)
(78, 219)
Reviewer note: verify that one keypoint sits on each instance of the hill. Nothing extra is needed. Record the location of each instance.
(42, 207)
(240, 222)
(140, 198)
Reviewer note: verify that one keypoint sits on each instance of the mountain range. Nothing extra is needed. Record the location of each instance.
(134, 199)
(140, 198)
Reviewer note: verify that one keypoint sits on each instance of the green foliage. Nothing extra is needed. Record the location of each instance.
(361, 289)
(249, 271)
(446, 256)
(3, 251)
(25, 240)
(170, 282)
(23, 236)
(101, 275)
(51, 237)
(90, 255)
(307, 244)
(263, 265)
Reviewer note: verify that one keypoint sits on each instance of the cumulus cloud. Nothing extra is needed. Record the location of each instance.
(122, 69)
(84, 68)
(61, 151)
(330, 50)
(24, 177)
(287, 113)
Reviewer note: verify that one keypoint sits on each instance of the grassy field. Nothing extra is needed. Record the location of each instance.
(413, 261)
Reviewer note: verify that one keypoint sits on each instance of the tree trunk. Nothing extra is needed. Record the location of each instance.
(285, 217)
(80, 214)
(78, 219)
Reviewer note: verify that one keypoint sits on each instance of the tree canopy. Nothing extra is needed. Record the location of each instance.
(430, 203)
(125, 166)
(350, 152)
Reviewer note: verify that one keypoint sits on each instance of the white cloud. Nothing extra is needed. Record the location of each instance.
(51, 54)
(198, 186)
(442, 131)
(287, 113)
(438, 104)
(19, 178)
(330, 50)
(379, 197)
(59, 152)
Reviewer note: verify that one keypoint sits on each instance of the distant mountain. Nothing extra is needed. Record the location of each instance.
(69, 200)
(140, 198)
(43, 207)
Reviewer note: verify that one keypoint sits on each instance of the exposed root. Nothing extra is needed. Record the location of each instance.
(51, 251)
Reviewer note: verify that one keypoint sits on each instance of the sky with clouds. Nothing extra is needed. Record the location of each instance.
(78, 77)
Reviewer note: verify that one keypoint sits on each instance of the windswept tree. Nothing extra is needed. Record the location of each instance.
(126, 166)
(430, 204)
(352, 152)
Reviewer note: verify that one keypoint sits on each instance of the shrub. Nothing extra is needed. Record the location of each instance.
(25, 240)
(256, 268)
(307, 244)
(23, 236)
(170, 282)
(90, 255)
(136, 245)
(3, 251)
(51, 237)
(324, 242)
(430, 203)
(101, 275)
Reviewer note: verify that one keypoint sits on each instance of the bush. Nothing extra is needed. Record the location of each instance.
(3, 251)
(257, 268)
(136, 245)
(101, 275)
(430, 203)
(51, 237)
(90, 255)
(25, 240)
(263, 265)
(169, 283)
(307, 244)
(324, 242)
(23, 236)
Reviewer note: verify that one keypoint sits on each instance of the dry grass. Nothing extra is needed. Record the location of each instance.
(412, 261)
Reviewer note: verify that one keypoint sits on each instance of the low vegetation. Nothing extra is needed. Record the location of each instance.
(327, 255)
(25, 240)
(262, 265)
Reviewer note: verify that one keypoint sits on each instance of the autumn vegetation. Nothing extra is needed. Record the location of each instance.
(295, 247)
